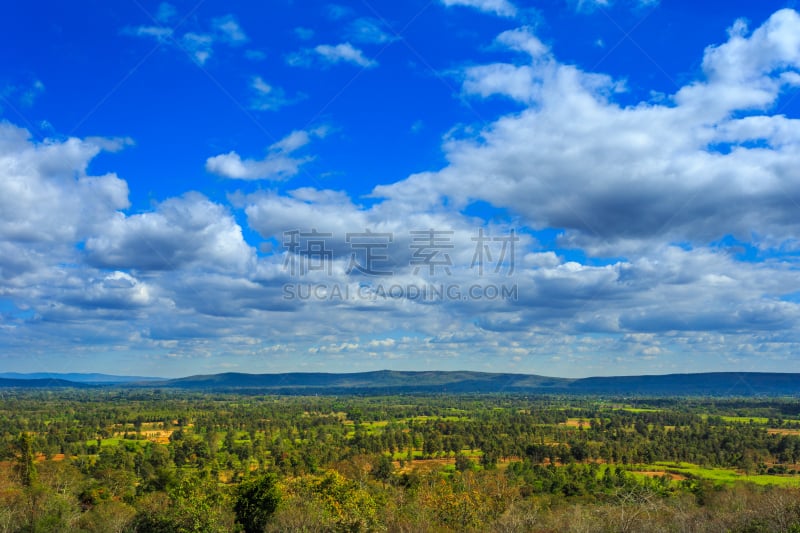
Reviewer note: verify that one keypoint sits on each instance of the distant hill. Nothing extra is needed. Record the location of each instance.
(78, 377)
(440, 382)
(705, 384)
(48, 383)
(379, 382)
(393, 382)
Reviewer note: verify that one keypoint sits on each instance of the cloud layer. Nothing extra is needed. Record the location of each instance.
(646, 231)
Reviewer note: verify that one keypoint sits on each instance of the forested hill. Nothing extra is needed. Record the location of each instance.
(391, 382)
(398, 382)
(379, 382)
(39, 383)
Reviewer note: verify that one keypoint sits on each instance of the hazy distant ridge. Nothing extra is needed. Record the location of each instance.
(77, 377)
(395, 382)
(388, 381)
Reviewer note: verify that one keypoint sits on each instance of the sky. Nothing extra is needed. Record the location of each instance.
(564, 187)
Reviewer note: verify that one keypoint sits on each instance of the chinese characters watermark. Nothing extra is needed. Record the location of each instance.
(429, 253)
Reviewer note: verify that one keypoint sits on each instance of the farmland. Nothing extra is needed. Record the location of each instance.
(149, 460)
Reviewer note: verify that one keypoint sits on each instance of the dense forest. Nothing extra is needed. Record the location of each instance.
(163, 461)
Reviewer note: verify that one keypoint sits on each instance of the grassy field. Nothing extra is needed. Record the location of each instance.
(725, 476)
(376, 427)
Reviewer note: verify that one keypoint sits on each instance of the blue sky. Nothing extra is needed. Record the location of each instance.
(566, 187)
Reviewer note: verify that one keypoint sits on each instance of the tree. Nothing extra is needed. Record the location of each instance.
(25, 462)
(383, 468)
(463, 463)
(256, 502)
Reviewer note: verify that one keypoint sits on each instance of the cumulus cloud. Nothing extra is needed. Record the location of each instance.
(331, 55)
(199, 45)
(619, 186)
(589, 6)
(268, 97)
(32, 93)
(227, 28)
(159, 33)
(621, 181)
(182, 231)
(401, 239)
(690, 169)
(344, 53)
(368, 30)
(503, 8)
(280, 162)
(46, 194)
(25, 94)
(115, 290)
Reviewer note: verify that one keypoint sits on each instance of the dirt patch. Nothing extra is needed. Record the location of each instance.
(424, 465)
(40, 457)
(159, 437)
(781, 431)
(576, 423)
(658, 473)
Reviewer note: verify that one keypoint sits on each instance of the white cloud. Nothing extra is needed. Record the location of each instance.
(503, 8)
(267, 97)
(32, 93)
(180, 232)
(179, 281)
(25, 94)
(110, 144)
(46, 194)
(279, 163)
(198, 44)
(116, 290)
(501, 79)
(160, 33)
(344, 53)
(589, 6)
(618, 177)
(330, 55)
(229, 30)
(368, 30)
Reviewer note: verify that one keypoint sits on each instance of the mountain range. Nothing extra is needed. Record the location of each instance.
(407, 382)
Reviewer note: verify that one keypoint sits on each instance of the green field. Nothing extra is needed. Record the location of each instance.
(720, 475)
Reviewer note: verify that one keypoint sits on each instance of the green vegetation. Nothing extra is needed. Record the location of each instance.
(149, 460)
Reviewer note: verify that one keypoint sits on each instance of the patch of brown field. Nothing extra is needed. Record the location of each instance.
(40, 457)
(575, 423)
(159, 437)
(782, 431)
(424, 465)
(659, 473)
